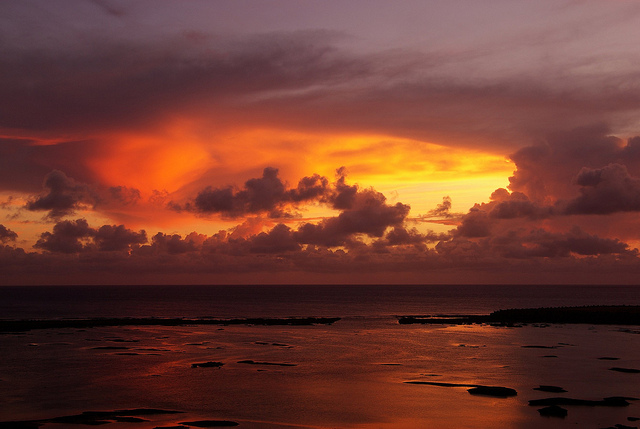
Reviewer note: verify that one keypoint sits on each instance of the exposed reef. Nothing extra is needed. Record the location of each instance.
(595, 315)
(209, 364)
(476, 389)
(550, 389)
(92, 418)
(614, 401)
(553, 411)
(625, 370)
(27, 325)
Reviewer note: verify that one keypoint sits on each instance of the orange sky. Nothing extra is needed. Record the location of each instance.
(306, 140)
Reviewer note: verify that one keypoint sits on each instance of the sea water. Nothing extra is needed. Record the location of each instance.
(350, 374)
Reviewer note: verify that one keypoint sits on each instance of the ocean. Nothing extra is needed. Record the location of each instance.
(349, 374)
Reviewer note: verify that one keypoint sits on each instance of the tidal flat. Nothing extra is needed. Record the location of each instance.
(358, 372)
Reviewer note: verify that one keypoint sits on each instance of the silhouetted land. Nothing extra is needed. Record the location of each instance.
(27, 325)
(596, 315)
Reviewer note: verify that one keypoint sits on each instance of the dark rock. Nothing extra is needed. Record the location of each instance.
(608, 358)
(616, 401)
(476, 389)
(210, 423)
(207, 365)
(551, 389)
(626, 370)
(436, 383)
(496, 391)
(633, 419)
(553, 411)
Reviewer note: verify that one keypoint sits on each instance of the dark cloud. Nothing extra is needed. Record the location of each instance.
(544, 244)
(117, 238)
(293, 80)
(268, 194)
(6, 234)
(69, 236)
(534, 243)
(85, 86)
(75, 236)
(124, 195)
(280, 239)
(605, 190)
(174, 244)
(476, 223)
(513, 205)
(401, 236)
(443, 209)
(368, 214)
(344, 195)
(64, 195)
(546, 172)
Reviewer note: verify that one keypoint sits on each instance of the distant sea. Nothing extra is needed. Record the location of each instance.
(20, 302)
(349, 374)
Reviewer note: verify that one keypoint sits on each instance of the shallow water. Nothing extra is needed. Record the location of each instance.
(350, 374)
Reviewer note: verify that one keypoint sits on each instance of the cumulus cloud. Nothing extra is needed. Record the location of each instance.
(545, 172)
(6, 234)
(278, 240)
(367, 214)
(174, 244)
(443, 209)
(75, 236)
(605, 190)
(63, 195)
(268, 194)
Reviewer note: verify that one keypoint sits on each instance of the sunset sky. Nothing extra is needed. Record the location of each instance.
(287, 141)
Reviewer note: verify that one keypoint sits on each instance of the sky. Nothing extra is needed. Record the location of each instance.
(287, 141)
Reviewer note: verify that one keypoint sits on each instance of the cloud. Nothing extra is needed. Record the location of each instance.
(367, 214)
(532, 244)
(6, 234)
(117, 238)
(259, 195)
(174, 244)
(279, 240)
(67, 237)
(270, 195)
(125, 195)
(605, 190)
(76, 236)
(443, 209)
(64, 196)
(545, 172)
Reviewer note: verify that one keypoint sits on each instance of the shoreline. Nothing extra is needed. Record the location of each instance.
(595, 315)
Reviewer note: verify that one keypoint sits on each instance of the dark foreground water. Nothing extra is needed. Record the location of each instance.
(350, 374)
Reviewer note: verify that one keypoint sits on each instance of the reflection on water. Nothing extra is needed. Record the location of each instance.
(348, 375)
